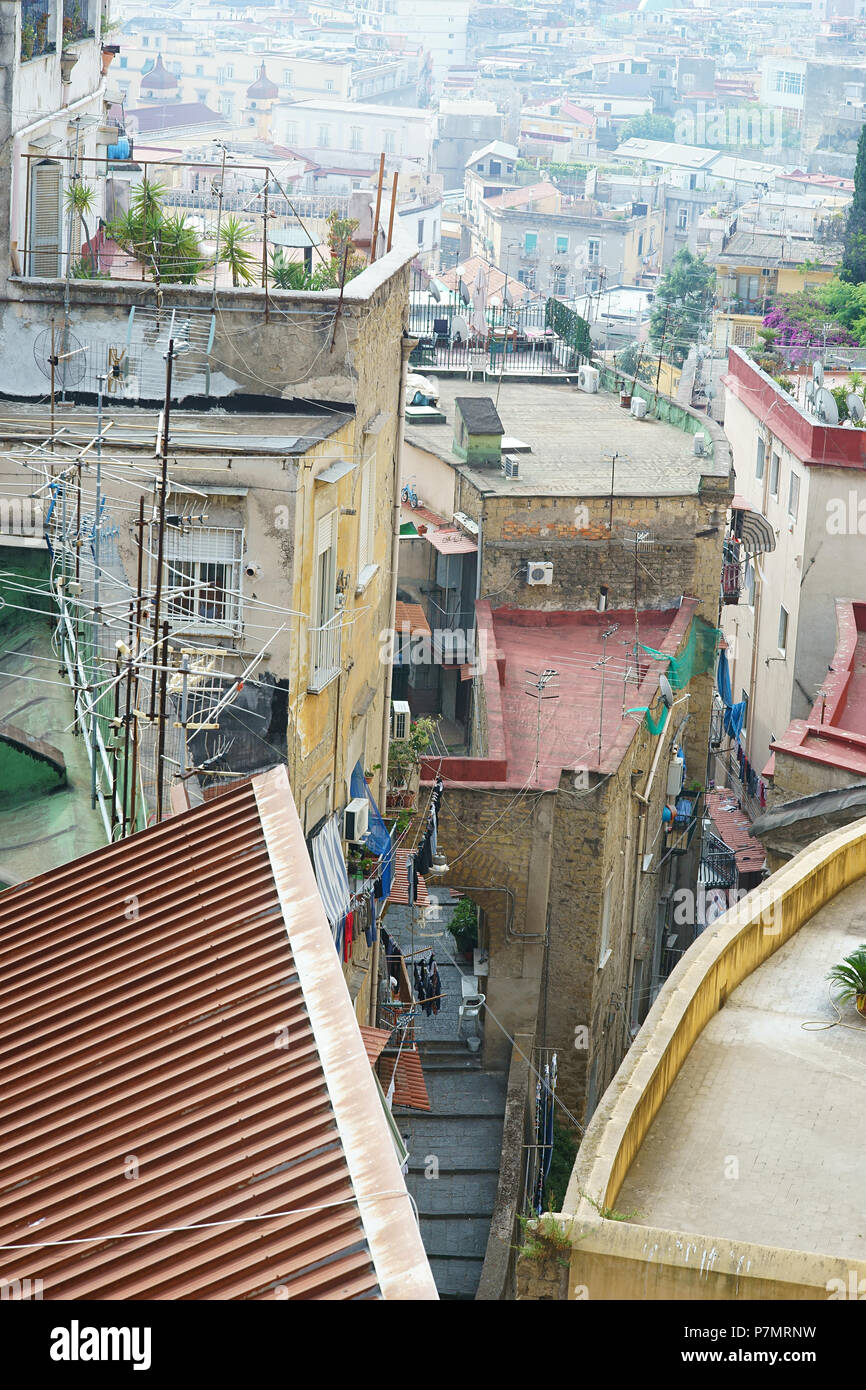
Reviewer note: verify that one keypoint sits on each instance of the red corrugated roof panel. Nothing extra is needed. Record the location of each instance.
(184, 1084)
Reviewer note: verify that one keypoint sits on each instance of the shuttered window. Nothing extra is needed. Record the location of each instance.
(46, 219)
(326, 568)
(202, 578)
(366, 532)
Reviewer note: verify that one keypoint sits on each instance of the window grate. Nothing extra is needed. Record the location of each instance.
(201, 577)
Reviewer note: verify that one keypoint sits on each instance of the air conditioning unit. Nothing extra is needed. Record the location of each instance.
(356, 819)
(539, 572)
(676, 775)
(400, 719)
(700, 443)
(510, 465)
(638, 408)
(587, 379)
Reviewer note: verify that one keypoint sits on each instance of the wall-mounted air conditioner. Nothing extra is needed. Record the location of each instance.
(400, 719)
(638, 408)
(510, 465)
(539, 572)
(356, 819)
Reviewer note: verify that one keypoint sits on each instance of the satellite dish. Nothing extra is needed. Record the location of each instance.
(818, 373)
(666, 691)
(810, 390)
(825, 407)
(70, 361)
(856, 408)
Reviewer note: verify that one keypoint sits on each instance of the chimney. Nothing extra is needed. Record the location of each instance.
(477, 432)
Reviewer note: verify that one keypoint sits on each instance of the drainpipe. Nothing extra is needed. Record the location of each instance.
(406, 345)
(21, 135)
(643, 799)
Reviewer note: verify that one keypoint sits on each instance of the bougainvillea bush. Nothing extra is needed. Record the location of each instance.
(833, 315)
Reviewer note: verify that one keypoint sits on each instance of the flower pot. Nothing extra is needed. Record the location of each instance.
(109, 51)
(861, 1004)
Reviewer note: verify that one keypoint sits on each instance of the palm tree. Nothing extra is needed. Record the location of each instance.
(232, 250)
(180, 256)
(80, 199)
(288, 275)
(850, 976)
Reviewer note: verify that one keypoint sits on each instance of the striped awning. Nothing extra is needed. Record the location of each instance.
(330, 867)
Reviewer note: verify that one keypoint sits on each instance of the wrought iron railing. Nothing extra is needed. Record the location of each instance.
(325, 645)
(718, 863)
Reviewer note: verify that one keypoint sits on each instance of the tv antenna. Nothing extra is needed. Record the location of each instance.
(602, 663)
(538, 690)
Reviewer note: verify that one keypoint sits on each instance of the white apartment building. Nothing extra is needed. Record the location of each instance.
(349, 135)
(803, 489)
(53, 123)
(441, 25)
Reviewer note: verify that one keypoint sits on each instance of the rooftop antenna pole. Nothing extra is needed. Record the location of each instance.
(163, 488)
(391, 214)
(608, 632)
(378, 206)
(160, 747)
(612, 477)
(265, 246)
(53, 363)
(216, 254)
(536, 690)
(97, 628)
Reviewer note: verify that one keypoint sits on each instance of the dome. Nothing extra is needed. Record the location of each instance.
(263, 89)
(159, 78)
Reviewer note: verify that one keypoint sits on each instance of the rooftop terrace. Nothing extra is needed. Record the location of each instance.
(783, 1099)
(572, 435)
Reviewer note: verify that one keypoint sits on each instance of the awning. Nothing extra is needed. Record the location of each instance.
(451, 542)
(411, 618)
(410, 1088)
(756, 533)
(331, 875)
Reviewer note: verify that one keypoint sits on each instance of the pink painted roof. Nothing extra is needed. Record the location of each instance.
(732, 827)
(514, 641)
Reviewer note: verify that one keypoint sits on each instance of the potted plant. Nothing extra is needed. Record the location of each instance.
(41, 34)
(850, 977)
(28, 39)
(404, 760)
(464, 927)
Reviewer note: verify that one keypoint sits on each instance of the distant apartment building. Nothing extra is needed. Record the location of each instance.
(441, 24)
(346, 139)
(753, 268)
(566, 246)
(825, 96)
(463, 126)
(559, 131)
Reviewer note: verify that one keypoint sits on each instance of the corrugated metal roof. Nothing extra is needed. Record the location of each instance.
(410, 1088)
(178, 1048)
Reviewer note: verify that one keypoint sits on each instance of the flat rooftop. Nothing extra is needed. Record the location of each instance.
(784, 1101)
(572, 645)
(572, 436)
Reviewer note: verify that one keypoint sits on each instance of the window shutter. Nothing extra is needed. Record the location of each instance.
(326, 532)
(45, 235)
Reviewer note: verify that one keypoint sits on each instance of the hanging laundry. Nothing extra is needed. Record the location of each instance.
(435, 986)
(370, 931)
(348, 923)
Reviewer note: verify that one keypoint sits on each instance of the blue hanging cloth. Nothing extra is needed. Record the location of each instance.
(734, 716)
(377, 838)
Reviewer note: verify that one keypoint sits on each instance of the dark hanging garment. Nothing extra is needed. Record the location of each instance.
(424, 854)
(371, 916)
(435, 987)
(411, 887)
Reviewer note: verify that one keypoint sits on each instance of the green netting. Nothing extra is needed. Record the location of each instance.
(696, 658)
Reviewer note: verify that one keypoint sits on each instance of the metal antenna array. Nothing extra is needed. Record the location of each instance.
(537, 690)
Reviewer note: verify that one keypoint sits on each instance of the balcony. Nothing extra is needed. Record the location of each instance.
(325, 643)
(37, 29)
